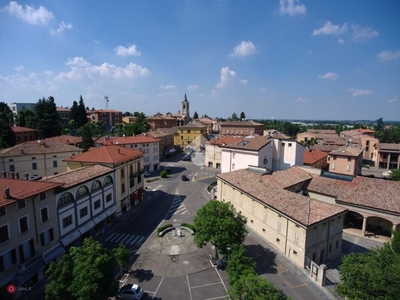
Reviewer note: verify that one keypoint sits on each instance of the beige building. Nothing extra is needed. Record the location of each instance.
(387, 156)
(109, 117)
(301, 228)
(37, 158)
(128, 168)
(241, 128)
(364, 138)
(213, 152)
(317, 134)
(346, 160)
(190, 134)
(166, 137)
(28, 232)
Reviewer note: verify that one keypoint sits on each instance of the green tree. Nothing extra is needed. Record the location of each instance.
(220, 224)
(242, 116)
(139, 126)
(81, 116)
(7, 136)
(60, 278)
(234, 117)
(239, 265)
(380, 125)
(127, 114)
(25, 118)
(121, 255)
(87, 136)
(250, 286)
(46, 118)
(395, 175)
(195, 115)
(119, 129)
(372, 275)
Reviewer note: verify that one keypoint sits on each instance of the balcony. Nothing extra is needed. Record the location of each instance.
(26, 265)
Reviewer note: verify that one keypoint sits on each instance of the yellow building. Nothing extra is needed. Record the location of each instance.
(190, 134)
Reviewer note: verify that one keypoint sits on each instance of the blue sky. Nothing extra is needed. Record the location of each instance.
(285, 59)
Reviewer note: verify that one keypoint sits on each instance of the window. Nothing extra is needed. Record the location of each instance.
(233, 155)
(278, 240)
(21, 204)
(366, 149)
(330, 248)
(367, 143)
(97, 204)
(83, 212)
(65, 199)
(23, 224)
(108, 180)
(283, 144)
(108, 198)
(33, 157)
(296, 238)
(348, 168)
(334, 157)
(26, 250)
(349, 158)
(333, 166)
(123, 188)
(55, 164)
(12, 168)
(294, 252)
(67, 221)
(4, 234)
(44, 214)
(3, 211)
(8, 259)
(82, 191)
(34, 166)
(337, 244)
(279, 227)
(233, 166)
(42, 196)
(95, 185)
(47, 236)
(122, 173)
(289, 144)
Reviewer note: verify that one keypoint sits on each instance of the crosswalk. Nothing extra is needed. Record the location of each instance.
(177, 207)
(126, 239)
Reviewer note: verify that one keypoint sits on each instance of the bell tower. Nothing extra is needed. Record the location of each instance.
(185, 107)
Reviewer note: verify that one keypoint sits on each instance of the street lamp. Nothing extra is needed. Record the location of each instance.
(229, 249)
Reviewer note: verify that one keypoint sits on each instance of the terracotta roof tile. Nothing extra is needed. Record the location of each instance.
(22, 189)
(224, 140)
(300, 208)
(78, 176)
(253, 144)
(311, 156)
(31, 148)
(66, 139)
(193, 125)
(22, 129)
(240, 123)
(109, 154)
(350, 150)
(388, 146)
(291, 176)
(127, 140)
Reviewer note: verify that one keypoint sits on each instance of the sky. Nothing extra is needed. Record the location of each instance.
(280, 59)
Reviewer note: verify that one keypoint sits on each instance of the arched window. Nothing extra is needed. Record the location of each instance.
(108, 180)
(82, 191)
(65, 199)
(95, 185)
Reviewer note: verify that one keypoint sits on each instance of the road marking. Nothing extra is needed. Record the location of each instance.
(119, 238)
(190, 292)
(134, 240)
(158, 287)
(110, 237)
(221, 280)
(200, 286)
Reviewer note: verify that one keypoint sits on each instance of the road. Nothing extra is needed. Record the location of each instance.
(188, 274)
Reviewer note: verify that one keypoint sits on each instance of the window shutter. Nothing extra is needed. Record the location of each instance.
(1, 264)
(42, 238)
(32, 246)
(21, 253)
(51, 234)
(14, 256)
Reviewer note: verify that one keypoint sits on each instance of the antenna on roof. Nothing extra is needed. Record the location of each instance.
(106, 98)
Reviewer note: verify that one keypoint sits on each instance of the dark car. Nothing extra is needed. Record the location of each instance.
(185, 178)
(187, 158)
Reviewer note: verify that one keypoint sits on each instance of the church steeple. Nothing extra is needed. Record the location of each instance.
(185, 107)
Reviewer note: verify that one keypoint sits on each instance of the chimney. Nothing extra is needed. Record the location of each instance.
(12, 175)
(4, 174)
(7, 193)
(26, 176)
(16, 174)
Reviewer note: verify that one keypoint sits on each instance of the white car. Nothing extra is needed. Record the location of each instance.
(130, 292)
(146, 174)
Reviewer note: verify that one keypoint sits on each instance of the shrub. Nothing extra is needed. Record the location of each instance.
(161, 228)
(163, 174)
(190, 226)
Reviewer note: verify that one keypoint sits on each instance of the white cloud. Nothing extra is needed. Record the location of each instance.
(29, 14)
(80, 68)
(329, 75)
(291, 7)
(329, 29)
(360, 93)
(192, 87)
(393, 100)
(301, 100)
(341, 41)
(227, 77)
(386, 55)
(122, 51)
(168, 87)
(243, 49)
(19, 68)
(61, 27)
(361, 33)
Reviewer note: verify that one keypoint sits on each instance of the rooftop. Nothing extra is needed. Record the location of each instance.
(38, 147)
(388, 146)
(17, 129)
(66, 139)
(350, 150)
(240, 123)
(253, 144)
(312, 156)
(127, 140)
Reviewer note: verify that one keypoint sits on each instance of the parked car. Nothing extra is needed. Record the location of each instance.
(146, 174)
(130, 292)
(185, 178)
(35, 177)
(187, 158)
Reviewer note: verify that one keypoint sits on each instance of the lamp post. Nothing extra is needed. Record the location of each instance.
(229, 249)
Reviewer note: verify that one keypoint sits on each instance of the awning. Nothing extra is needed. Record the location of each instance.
(70, 238)
(29, 273)
(54, 254)
(85, 228)
(111, 210)
(99, 218)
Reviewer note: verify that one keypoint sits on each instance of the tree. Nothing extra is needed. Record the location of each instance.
(139, 126)
(60, 278)
(380, 125)
(87, 136)
(195, 115)
(220, 224)
(7, 136)
(239, 265)
(127, 114)
(372, 275)
(395, 175)
(242, 116)
(46, 117)
(86, 273)
(25, 118)
(251, 286)
(234, 116)
(119, 129)
(121, 255)
(81, 113)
